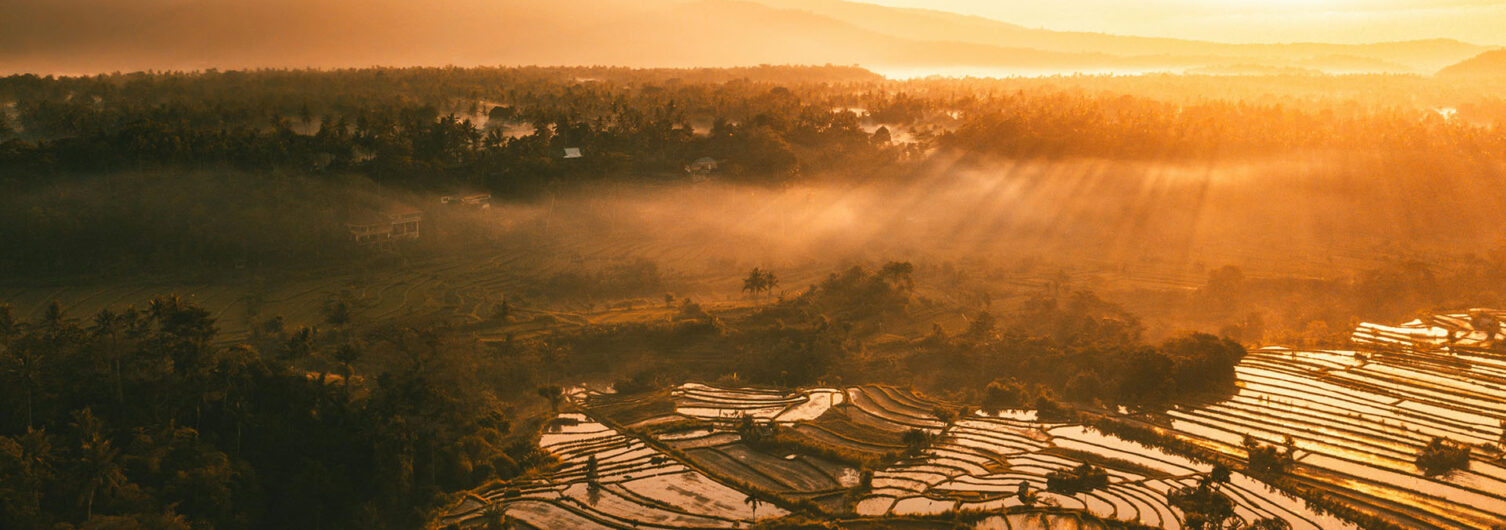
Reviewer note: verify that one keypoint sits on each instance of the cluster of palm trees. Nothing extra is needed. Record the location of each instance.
(760, 281)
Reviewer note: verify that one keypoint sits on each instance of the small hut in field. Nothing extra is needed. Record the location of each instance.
(703, 166)
(380, 227)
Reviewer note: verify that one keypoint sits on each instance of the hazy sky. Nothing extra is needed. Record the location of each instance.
(85, 36)
(1351, 21)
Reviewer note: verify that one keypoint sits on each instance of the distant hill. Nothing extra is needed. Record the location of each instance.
(1488, 64)
(1252, 69)
(89, 36)
(163, 34)
(931, 25)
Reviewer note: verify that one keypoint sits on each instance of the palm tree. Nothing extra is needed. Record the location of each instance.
(34, 465)
(96, 467)
(753, 503)
(112, 327)
(347, 355)
(753, 284)
(301, 344)
(494, 138)
(54, 318)
(760, 281)
(23, 361)
(769, 282)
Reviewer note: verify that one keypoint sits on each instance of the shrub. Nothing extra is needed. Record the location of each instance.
(917, 440)
(944, 414)
(1081, 479)
(1268, 460)
(1205, 507)
(1003, 395)
(1047, 409)
(1442, 456)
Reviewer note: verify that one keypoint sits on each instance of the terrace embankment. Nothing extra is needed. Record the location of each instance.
(749, 453)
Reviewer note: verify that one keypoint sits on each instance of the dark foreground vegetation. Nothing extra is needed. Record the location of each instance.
(134, 420)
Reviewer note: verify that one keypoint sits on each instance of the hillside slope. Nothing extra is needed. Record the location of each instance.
(1488, 64)
(925, 24)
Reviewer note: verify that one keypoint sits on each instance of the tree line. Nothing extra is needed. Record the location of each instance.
(505, 129)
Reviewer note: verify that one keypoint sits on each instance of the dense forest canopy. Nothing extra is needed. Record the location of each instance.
(137, 419)
(344, 140)
(502, 128)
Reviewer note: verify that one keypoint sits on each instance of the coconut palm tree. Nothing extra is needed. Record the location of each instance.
(753, 284)
(347, 355)
(21, 362)
(760, 281)
(31, 466)
(97, 466)
(111, 329)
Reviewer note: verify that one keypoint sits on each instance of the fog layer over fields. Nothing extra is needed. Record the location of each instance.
(1276, 214)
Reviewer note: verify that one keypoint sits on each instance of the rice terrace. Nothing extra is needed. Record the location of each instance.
(701, 456)
(764, 264)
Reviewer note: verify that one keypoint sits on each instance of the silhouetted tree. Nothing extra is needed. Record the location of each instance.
(760, 281)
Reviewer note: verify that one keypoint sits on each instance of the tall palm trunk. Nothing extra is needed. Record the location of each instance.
(89, 503)
(119, 385)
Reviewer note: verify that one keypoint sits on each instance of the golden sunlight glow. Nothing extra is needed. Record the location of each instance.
(949, 38)
(1249, 21)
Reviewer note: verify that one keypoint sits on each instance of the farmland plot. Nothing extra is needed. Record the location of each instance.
(634, 486)
(1353, 440)
(1358, 419)
(976, 462)
(980, 461)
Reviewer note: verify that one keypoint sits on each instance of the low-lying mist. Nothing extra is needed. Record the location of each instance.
(1279, 216)
(1324, 238)
(1107, 225)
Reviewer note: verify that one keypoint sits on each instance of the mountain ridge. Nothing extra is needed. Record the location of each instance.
(178, 35)
(1488, 64)
(1424, 55)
